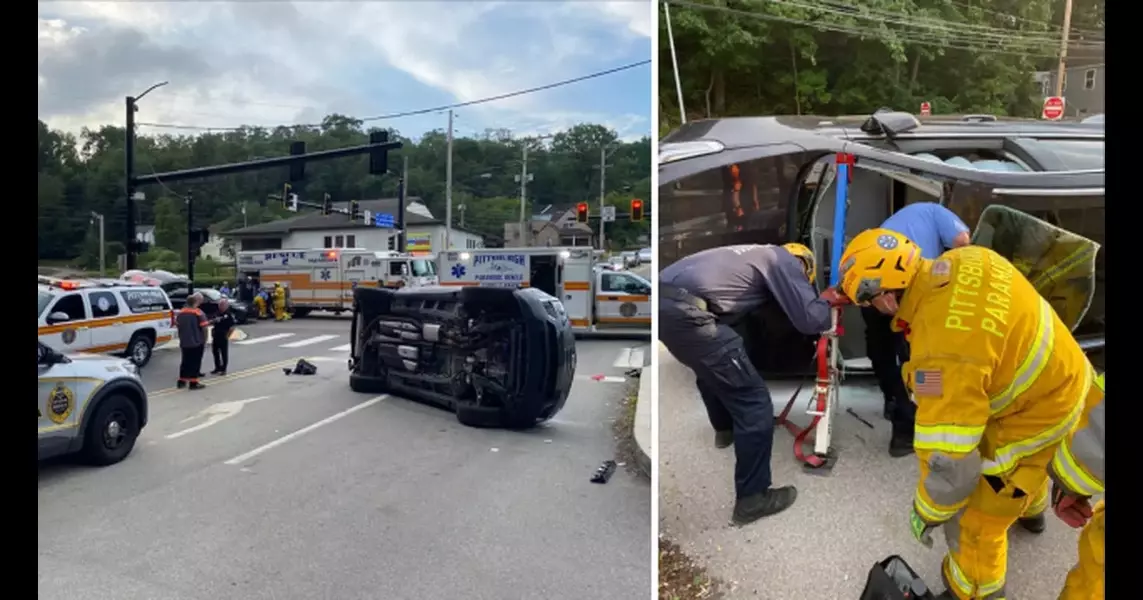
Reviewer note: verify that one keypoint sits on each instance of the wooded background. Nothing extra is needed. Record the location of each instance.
(814, 57)
(80, 175)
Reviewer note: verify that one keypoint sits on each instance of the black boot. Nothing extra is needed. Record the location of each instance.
(771, 502)
(181, 384)
(1036, 524)
(889, 408)
(194, 385)
(723, 439)
(900, 445)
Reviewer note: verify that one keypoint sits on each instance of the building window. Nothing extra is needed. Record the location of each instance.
(350, 241)
(1089, 79)
(339, 242)
(329, 241)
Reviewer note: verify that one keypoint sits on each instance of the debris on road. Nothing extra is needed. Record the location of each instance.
(604, 472)
(304, 367)
(858, 417)
(680, 578)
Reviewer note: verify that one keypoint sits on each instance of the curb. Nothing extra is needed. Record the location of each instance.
(641, 428)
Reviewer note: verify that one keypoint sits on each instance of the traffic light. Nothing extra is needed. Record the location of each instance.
(378, 158)
(636, 209)
(286, 195)
(293, 203)
(297, 168)
(326, 204)
(353, 214)
(581, 212)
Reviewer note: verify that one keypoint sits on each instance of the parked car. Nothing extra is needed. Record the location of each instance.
(630, 259)
(771, 180)
(91, 405)
(644, 256)
(494, 356)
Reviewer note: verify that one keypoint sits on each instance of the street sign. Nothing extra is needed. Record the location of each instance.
(384, 220)
(367, 217)
(608, 214)
(1053, 108)
(926, 109)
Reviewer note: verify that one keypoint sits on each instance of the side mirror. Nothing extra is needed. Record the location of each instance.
(58, 317)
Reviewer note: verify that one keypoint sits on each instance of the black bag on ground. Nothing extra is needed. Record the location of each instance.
(894, 579)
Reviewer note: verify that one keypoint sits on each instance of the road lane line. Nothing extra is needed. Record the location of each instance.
(267, 338)
(291, 436)
(636, 358)
(317, 339)
(215, 413)
(344, 348)
(230, 377)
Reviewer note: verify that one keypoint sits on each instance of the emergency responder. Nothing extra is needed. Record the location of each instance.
(998, 381)
(191, 324)
(260, 303)
(700, 298)
(1077, 472)
(280, 302)
(220, 337)
(934, 229)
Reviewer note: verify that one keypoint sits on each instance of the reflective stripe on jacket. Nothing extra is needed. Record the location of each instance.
(1078, 464)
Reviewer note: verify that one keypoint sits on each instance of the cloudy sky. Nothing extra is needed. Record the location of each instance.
(266, 63)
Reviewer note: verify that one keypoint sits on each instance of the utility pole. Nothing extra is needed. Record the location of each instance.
(461, 208)
(1061, 71)
(448, 187)
(190, 243)
(524, 229)
(602, 177)
(102, 257)
(402, 195)
(129, 172)
(675, 63)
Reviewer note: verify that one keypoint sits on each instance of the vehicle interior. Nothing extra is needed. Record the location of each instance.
(792, 197)
(544, 270)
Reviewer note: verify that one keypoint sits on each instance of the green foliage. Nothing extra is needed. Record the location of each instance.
(758, 57)
(77, 177)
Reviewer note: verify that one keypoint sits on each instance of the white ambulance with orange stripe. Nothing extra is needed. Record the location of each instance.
(597, 301)
(104, 316)
(324, 278)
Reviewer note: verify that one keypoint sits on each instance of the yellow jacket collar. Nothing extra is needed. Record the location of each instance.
(913, 295)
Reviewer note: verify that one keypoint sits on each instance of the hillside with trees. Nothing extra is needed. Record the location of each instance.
(78, 176)
(826, 57)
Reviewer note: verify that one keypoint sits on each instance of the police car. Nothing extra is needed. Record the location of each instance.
(90, 405)
(104, 316)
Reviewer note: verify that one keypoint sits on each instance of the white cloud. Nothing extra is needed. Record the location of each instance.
(268, 63)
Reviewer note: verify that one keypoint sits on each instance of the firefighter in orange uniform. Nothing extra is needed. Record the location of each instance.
(1077, 471)
(998, 380)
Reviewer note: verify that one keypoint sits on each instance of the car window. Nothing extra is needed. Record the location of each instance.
(621, 283)
(72, 306)
(1076, 155)
(103, 304)
(144, 300)
(42, 300)
(423, 268)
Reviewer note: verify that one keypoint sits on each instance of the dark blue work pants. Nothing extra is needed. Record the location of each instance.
(734, 393)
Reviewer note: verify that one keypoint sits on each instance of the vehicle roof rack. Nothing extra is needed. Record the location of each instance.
(890, 123)
(978, 118)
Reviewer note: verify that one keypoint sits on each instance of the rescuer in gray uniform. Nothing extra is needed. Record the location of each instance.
(700, 298)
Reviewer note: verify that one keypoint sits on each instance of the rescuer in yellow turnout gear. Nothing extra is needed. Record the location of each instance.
(280, 303)
(1077, 472)
(998, 380)
(260, 305)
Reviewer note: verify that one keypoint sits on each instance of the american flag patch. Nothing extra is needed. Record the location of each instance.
(927, 382)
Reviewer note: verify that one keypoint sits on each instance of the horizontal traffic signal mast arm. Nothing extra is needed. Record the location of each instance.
(264, 163)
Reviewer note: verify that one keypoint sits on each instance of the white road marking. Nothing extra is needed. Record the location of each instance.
(630, 358)
(326, 359)
(624, 359)
(268, 338)
(214, 414)
(636, 361)
(317, 339)
(344, 348)
(291, 436)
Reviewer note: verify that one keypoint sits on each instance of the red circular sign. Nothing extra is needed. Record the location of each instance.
(926, 109)
(1053, 108)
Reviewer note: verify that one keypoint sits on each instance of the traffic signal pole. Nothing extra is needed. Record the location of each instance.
(190, 243)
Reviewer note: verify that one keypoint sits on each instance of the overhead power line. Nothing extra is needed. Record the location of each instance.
(422, 111)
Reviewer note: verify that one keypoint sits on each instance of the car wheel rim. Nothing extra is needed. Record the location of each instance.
(140, 353)
(115, 431)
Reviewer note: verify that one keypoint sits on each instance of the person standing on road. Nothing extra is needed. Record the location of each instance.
(280, 303)
(999, 382)
(934, 229)
(191, 324)
(700, 298)
(225, 289)
(220, 337)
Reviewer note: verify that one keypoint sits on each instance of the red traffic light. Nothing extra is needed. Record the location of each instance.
(636, 203)
(636, 209)
(581, 212)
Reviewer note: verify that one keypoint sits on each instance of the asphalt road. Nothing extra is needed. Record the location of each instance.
(301, 488)
(841, 524)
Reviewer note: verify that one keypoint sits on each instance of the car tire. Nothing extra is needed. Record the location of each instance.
(481, 417)
(111, 433)
(364, 384)
(140, 348)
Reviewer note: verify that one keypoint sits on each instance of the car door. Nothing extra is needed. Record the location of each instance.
(65, 324)
(622, 299)
(1050, 223)
(57, 396)
(108, 333)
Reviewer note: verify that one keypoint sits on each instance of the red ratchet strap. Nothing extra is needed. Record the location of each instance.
(821, 395)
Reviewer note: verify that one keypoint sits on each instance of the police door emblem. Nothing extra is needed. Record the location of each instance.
(68, 336)
(61, 401)
(887, 242)
(628, 309)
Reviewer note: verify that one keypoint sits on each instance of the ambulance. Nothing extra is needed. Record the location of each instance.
(597, 301)
(324, 278)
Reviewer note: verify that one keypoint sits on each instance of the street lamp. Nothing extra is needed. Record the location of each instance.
(129, 171)
(102, 262)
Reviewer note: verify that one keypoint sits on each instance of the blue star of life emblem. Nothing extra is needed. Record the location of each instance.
(458, 271)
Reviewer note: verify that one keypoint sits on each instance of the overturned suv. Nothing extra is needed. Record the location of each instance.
(496, 357)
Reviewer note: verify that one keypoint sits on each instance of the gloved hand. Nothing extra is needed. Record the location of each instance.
(834, 297)
(921, 528)
(1073, 510)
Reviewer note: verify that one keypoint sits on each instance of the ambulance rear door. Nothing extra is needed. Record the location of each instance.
(355, 269)
(622, 301)
(577, 288)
